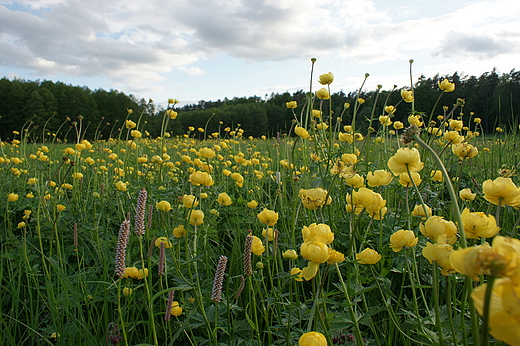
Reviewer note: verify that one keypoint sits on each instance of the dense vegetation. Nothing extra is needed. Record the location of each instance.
(46, 105)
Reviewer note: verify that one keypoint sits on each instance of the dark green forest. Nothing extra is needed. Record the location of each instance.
(46, 108)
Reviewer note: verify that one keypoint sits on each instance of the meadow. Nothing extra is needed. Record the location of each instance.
(405, 234)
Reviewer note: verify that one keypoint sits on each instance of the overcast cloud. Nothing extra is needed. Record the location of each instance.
(137, 45)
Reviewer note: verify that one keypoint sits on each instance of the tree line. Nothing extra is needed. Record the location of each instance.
(47, 108)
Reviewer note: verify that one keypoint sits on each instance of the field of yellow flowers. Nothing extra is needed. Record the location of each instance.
(403, 235)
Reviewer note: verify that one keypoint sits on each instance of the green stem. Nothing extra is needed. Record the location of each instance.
(436, 302)
(487, 303)
(357, 331)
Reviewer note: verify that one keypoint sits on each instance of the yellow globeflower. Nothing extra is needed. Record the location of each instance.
(314, 198)
(464, 150)
(163, 240)
(446, 86)
(163, 206)
(467, 195)
(136, 134)
(436, 226)
(32, 181)
(398, 125)
(290, 254)
(368, 256)
(318, 232)
(291, 104)
(312, 339)
(224, 199)
(379, 178)
(179, 231)
(257, 247)
(403, 158)
(196, 218)
(198, 178)
(190, 201)
(60, 207)
(131, 272)
(419, 211)
(501, 259)
(77, 175)
(315, 251)
(12, 197)
(504, 316)
(415, 120)
(501, 190)
(404, 179)
(252, 204)
(456, 124)
(326, 78)
(478, 224)
(402, 238)
(296, 274)
(176, 310)
(21, 225)
(436, 176)
(300, 131)
(390, 109)
(385, 120)
(310, 271)
(316, 113)
(453, 136)
(269, 233)
(121, 186)
(323, 94)
(171, 113)
(130, 124)
(440, 253)
(269, 217)
(356, 181)
(407, 95)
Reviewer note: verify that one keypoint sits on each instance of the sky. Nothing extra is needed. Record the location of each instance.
(195, 50)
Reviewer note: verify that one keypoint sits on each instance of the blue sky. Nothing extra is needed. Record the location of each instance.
(210, 49)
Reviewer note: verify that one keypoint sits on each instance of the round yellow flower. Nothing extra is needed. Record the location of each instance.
(315, 251)
(368, 256)
(290, 254)
(198, 178)
(478, 224)
(196, 218)
(402, 238)
(503, 190)
(269, 217)
(407, 95)
(257, 247)
(323, 94)
(60, 207)
(300, 131)
(291, 104)
(318, 232)
(12, 197)
(163, 240)
(467, 195)
(404, 179)
(326, 78)
(121, 186)
(504, 317)
(179, 231)
(176, 310)
(190, 201)
(446, 86)
(436, 176)
(252, 204)
(379, 178)
(163, 206)
(436, 226)
(296, 274)
(224, 199)
(405, 157)
(314, 198)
